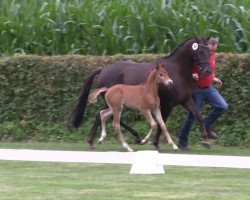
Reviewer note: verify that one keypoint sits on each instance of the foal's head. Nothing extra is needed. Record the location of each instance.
(162, 74)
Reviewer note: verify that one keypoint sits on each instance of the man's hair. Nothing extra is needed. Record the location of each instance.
(213, 40)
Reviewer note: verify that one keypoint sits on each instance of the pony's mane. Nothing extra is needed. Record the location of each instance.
(176, 50)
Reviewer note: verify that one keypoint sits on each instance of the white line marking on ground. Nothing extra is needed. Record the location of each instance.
(123, 158)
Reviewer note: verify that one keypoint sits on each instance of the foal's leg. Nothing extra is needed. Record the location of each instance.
(153, 125)
(165, 111)
(164, 128)
(105, 114)
(116, 124)
(94, 128)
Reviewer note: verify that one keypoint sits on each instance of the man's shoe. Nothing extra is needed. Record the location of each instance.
(211, 134)
(182, 147)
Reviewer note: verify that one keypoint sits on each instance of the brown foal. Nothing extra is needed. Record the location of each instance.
(143, 97)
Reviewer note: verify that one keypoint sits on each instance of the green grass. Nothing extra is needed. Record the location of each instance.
(21, 180)
(36, 180)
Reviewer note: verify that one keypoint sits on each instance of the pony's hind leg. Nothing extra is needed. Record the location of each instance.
(93, 131)
(117, 128)
(105, 114)
(132, 131)
(164, 128)
(94, 128)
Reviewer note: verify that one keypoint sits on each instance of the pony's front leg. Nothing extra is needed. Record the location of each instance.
(190, 106)
(105, 114)
(158, 116)
(117, 128)
(153, 125)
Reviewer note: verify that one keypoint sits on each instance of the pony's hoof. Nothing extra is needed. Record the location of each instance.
(91, 146)
(206, 145)
(157, 147)
(138, 141)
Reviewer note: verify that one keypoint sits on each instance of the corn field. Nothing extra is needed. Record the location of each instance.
(107, 27)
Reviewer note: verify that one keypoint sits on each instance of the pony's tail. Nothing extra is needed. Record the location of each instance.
(75, 118)
(93, 95)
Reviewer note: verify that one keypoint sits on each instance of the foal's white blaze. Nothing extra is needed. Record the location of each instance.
(168, 82)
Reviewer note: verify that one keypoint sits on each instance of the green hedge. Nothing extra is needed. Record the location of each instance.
(38, 94)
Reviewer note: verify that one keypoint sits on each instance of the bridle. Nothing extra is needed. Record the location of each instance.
(202, 62)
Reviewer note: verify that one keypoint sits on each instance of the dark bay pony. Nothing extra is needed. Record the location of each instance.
(179, 65)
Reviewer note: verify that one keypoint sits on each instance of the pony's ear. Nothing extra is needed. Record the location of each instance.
(157, 66)
(208, 38)
(195, 37)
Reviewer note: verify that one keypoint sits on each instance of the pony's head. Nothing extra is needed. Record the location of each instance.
(201, 55)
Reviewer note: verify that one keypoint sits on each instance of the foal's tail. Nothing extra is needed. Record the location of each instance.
(93, 95)
(75, 118)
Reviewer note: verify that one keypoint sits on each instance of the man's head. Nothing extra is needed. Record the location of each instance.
(212, 44)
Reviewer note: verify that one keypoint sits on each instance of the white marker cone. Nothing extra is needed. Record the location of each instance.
(147, 162)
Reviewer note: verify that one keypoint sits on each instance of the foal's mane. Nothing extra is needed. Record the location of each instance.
(148, 75)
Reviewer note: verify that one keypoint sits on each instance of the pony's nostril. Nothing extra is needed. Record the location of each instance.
(207, 72)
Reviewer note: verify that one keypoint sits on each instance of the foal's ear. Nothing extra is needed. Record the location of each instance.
(158, 66)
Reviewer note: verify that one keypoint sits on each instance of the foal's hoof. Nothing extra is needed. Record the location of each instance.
(99, 141)
(143, 142)
(206, 145)
(138, 140)
(176, 148)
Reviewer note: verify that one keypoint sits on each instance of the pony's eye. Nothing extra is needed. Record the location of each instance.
(161, 74)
